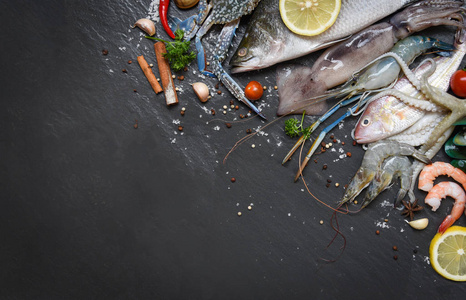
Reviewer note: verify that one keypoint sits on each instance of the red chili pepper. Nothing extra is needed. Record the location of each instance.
(163, 9)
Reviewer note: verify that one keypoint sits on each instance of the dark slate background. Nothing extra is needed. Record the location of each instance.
(93, 208)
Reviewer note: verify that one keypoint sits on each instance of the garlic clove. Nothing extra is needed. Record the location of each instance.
(419, 224)
(201, 90)
(185, 4)
(145, 25)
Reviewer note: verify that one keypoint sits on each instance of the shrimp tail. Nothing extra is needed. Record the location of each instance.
(422, 158)
(449, 220)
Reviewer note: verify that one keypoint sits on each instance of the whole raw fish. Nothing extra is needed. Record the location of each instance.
(388, 116)
(268, 41)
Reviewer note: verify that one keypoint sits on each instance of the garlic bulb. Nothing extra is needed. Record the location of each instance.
(419, 224)
(145, 25)
(184, 4)
(201, 90)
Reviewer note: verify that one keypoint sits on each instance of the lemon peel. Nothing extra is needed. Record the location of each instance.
(448, 253)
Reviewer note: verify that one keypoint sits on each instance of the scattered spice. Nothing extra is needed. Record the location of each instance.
(348, 154)
(124, 71)
(135, 124)
(219, 92)
(233, 179)
(410, 209)
(181, 77)
(395, 248)
(130, 61)
(253, 146)
(354, 143)
(249, 207)
(239, 214)
(324, 167)
(329, 180)
(105, 52)
(224, 112)
(182, 112)
(343, 143)
(321, 222)
(134, 90)
(327, 185)
(275, 87)
(180, 128)
(236, 107)
(228, 125)
(225, 107)
(377, 232)
(332, 137)
(232, 102)
(395, 257)
(185, 69)
(212, 111)
(248, 131)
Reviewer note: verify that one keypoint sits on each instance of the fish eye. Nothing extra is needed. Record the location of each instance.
(365, 122)
(242, 52)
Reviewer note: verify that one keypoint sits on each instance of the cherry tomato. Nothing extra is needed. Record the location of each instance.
(458, 83)
(254, 90)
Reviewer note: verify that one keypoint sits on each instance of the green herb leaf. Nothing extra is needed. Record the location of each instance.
(294, 127)
(178, 53)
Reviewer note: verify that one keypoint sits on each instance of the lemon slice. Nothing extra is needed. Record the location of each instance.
(309, 17)
(448, 253)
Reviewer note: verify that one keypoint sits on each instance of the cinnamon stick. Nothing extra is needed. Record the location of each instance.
(165, 74)
(149, 74)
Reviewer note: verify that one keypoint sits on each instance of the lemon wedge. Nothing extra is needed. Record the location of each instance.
(448, 253)
(309, 17)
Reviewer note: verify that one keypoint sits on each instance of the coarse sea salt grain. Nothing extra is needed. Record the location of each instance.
(217, 128)
(382, 224)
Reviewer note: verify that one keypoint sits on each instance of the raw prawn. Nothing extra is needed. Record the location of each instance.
(393, 167)
(430, 172)
(373, 159)
(383, 72)
(442, 190)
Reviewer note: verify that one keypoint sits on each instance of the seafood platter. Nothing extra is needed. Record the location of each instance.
(244, 149)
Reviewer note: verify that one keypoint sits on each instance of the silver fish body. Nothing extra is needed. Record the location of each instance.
(268, 41)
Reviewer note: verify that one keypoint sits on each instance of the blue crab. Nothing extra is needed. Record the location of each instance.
(229, 13)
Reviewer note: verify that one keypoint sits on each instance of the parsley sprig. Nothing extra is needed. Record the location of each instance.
(294, 127)
(178, 53)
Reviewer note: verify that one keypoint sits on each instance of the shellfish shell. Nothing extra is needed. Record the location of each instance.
(185, 4)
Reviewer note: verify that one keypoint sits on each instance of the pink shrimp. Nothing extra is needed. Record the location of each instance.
(430, 172)
(442, 190)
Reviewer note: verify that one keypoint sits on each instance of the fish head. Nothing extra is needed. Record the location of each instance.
(259, 47)
(252, 55)
(374, 124)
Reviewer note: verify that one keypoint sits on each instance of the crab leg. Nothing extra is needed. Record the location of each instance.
(314, 126)
(219, 55)
(321, 136)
